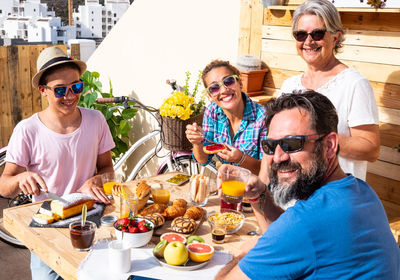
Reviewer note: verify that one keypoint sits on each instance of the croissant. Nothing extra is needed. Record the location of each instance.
(194, 212)
(180, 202)
(153, 208)
(171, 212)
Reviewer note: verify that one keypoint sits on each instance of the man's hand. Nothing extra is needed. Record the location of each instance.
(31, 183)
(93, 187)
(254, 188)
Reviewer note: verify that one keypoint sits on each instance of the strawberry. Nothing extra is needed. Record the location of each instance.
(133, 229)
(142, 227)
(133, 223)
(123, 222)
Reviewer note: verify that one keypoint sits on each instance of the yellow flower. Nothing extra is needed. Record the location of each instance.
(178, 105)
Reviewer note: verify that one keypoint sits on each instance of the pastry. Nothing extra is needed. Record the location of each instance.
(153, 208)
(43, 219)
(171, 212)
(157, 219)
(183, 225)
(143, 189)
(180, 202)
(75, 202)
(194, 212)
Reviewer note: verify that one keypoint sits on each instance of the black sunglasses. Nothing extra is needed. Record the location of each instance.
(316, 35)
(228, 82)
(289, 144)
(61, 91)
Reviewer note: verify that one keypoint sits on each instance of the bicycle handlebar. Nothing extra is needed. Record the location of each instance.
(118, 99)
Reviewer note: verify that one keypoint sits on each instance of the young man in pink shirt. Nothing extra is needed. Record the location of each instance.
(62, 149)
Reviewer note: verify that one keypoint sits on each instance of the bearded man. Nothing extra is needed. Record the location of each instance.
(317, 221)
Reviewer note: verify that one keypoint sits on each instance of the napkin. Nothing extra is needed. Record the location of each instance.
(143, 263)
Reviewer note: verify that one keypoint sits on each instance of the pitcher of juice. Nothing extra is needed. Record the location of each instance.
(233, 183)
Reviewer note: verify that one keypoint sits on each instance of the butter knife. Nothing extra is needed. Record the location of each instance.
(55, 197)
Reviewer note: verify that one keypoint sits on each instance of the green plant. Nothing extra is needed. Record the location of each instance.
(184, 104)
(117, 119)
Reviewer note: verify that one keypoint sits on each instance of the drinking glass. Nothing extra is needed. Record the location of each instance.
(199, 191)
(233, 183)
(82, 237)
(109, 180)
(161, 196)
(218, 232)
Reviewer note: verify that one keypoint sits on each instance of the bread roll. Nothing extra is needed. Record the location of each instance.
(75, 202)
(180, 202)
(171, 212)
(153, 208)
(214, 148)
(183, 225)
(194, 212)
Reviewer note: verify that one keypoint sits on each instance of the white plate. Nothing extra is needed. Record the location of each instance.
(190, 265)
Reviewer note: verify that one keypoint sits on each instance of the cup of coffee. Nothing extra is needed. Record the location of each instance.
(218, 232)
(119, 256)
(82, 236)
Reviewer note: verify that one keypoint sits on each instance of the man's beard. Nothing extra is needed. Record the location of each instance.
(285, 195)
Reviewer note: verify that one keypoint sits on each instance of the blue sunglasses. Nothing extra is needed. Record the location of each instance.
(61, 91)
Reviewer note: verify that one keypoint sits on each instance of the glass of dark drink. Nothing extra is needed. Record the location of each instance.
(82, 237)
(218, 232)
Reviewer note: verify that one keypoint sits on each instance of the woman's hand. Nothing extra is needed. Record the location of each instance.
(231, 154)
(193, 134)
(93, 187)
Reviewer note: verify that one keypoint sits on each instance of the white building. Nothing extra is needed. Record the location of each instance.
(31, 21)
(95, 21)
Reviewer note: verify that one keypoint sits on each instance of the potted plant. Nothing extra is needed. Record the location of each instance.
(366, 3)
(252, 76)
(183, 107)
(117, 119)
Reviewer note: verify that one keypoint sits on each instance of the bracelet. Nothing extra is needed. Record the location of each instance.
(241, 160)
(261, 196)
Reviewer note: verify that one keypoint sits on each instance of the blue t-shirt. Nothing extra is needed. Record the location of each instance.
(340, 232)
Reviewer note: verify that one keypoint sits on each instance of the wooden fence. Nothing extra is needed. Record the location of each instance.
(372, 46)
(19, 100)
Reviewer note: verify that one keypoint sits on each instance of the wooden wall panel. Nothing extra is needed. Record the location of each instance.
(386, 188)
(19, 100)
(390, 134)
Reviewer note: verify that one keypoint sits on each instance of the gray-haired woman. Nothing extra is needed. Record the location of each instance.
(319, 34)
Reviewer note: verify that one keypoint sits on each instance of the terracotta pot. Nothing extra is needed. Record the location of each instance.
(253, 81)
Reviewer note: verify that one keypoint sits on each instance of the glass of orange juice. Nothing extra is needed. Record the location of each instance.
(109, 180)
(233, 183)
(160, 196)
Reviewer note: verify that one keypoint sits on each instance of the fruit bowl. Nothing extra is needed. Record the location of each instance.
(233, 220)
(133, 239)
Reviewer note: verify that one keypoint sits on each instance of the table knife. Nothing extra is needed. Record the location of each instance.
(55, 197)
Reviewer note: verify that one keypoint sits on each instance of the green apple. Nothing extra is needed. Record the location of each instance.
(176, 253)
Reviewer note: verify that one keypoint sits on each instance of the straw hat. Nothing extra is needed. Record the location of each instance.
(50, 57)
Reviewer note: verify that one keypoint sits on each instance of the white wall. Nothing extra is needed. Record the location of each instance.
(156, 40)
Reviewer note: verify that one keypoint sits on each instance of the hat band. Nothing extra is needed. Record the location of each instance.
(54, 60)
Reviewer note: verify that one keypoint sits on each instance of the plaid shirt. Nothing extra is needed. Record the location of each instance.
(249, 135)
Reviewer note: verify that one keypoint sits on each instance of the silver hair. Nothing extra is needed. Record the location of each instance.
(325, 10)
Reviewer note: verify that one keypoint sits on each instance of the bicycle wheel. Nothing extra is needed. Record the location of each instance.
(5, 236)
(187, 165)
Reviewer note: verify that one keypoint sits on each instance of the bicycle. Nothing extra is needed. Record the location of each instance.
(175, 161)
(18, 200)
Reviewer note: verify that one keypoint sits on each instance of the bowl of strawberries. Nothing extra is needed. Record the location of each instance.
(134, 231)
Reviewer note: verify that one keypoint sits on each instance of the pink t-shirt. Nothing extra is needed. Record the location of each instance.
(64, 161)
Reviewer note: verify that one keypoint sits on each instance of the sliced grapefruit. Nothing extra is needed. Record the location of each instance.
(172, 236)
(200, 252)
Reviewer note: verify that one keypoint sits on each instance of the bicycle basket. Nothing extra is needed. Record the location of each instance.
(173, 132)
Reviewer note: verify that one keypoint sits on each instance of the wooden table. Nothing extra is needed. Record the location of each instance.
(54, 247)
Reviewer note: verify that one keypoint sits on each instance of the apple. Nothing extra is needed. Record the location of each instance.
(176, 253)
